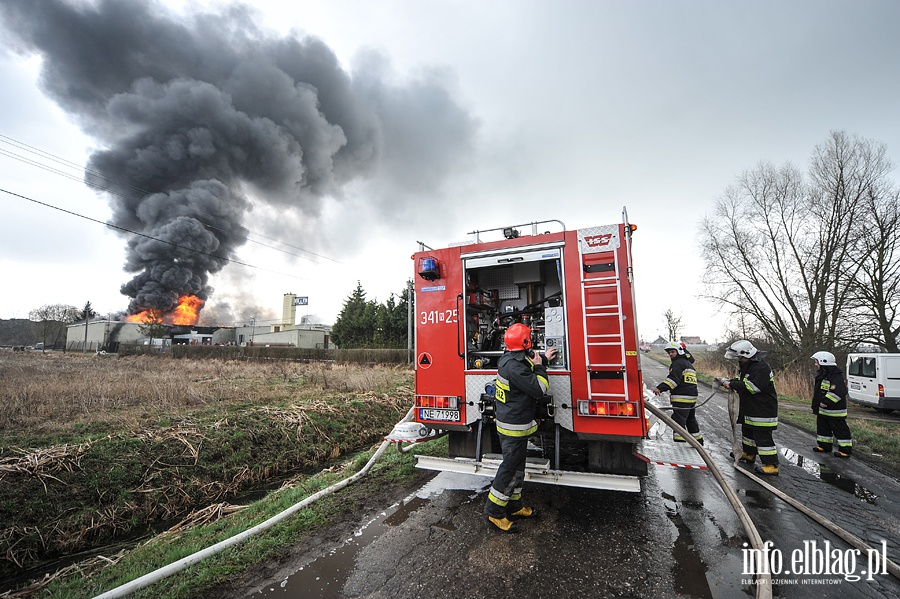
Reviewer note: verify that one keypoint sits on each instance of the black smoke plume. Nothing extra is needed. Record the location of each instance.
(196, 114)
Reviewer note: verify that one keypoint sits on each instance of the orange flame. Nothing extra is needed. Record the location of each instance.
(187, 312)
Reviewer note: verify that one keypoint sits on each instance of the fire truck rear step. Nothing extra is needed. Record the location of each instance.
(665, 452)
(536, 470)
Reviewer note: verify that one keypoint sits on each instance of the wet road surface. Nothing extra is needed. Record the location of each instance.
(677, 538)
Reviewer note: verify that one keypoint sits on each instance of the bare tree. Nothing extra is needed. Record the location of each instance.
(673, 324)
(777, 248)
(876, 287)
(51, 320)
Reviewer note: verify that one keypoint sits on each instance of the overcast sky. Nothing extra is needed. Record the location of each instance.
(471, 115)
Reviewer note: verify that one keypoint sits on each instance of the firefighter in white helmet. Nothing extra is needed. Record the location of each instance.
(829, 404)
(521, 381)
(681, 383)
(758, 415)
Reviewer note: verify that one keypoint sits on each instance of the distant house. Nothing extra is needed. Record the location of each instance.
(659, 342)
(692, 340)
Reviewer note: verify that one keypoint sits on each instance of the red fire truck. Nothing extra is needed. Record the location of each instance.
(574, 289)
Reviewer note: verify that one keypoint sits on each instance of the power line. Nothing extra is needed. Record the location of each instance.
(67, 163)
(100, 222)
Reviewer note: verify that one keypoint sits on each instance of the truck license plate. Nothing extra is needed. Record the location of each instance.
(856, 386)
(438, 414)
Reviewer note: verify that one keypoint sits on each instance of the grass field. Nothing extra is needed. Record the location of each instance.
(97, 448)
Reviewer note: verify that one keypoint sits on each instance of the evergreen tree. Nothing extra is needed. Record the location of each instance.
(86, 313)
(365, 323)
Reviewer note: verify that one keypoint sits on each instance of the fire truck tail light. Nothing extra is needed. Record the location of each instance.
(440, 402)
(607, 408)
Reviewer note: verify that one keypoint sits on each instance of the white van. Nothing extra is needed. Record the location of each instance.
(874, 380)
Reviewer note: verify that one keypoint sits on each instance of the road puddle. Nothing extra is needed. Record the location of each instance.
(830, 476)
(689, 571)
(325, 578)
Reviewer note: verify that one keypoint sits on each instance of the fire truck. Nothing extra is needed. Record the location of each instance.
(575, 290)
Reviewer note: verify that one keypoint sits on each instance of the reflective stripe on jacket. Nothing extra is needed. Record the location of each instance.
(830, 389)
(756, 388)
(520, 383)
(681, 382)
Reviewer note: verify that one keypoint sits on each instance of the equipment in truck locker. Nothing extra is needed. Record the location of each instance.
(574, 290)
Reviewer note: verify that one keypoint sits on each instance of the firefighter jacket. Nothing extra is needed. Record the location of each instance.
(830, 393)
(755, 386)
(520, 384)
(681, 382)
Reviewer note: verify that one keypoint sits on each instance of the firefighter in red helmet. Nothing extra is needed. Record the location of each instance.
(521, 382)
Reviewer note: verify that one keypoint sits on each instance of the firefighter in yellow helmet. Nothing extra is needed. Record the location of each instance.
(521, 382)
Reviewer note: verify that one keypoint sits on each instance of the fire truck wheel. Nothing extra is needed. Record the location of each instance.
(611, 457)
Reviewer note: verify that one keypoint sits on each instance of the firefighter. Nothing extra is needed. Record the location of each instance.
(521, 382)
(755, 386)
(829, 404)
(682, 387)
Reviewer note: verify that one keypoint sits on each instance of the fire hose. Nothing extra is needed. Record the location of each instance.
(166, 571)
(755, 540)
(764, 581)
(847, 536)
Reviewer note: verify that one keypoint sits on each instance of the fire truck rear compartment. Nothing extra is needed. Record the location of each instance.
(503, 289)
(574, 291)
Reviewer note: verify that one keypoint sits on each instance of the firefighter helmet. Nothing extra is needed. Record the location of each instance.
(740, 349)
(517, 337)
(679, 347)
(824, 358)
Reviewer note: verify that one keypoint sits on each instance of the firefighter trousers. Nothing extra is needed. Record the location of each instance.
(505, 495)
(687, 419)
(757, 440)
(828, 427)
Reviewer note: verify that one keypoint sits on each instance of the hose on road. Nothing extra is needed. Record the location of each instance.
(763, 581)
(166, 571)
(845, 535)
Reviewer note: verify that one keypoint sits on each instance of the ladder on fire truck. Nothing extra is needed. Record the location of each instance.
(601, 296)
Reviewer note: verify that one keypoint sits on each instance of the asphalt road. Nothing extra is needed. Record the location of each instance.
(677, 538)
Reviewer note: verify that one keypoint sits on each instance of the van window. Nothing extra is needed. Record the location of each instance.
(860, 366)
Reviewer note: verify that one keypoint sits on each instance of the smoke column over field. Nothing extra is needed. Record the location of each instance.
(194, 112)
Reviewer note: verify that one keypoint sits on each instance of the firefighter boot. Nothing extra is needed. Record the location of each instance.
(767, 469)
(819, 449)
(747, 458)
(503, 524)
(524, 512)
(841, 454)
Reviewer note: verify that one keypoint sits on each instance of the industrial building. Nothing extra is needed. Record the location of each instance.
(107, 335)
